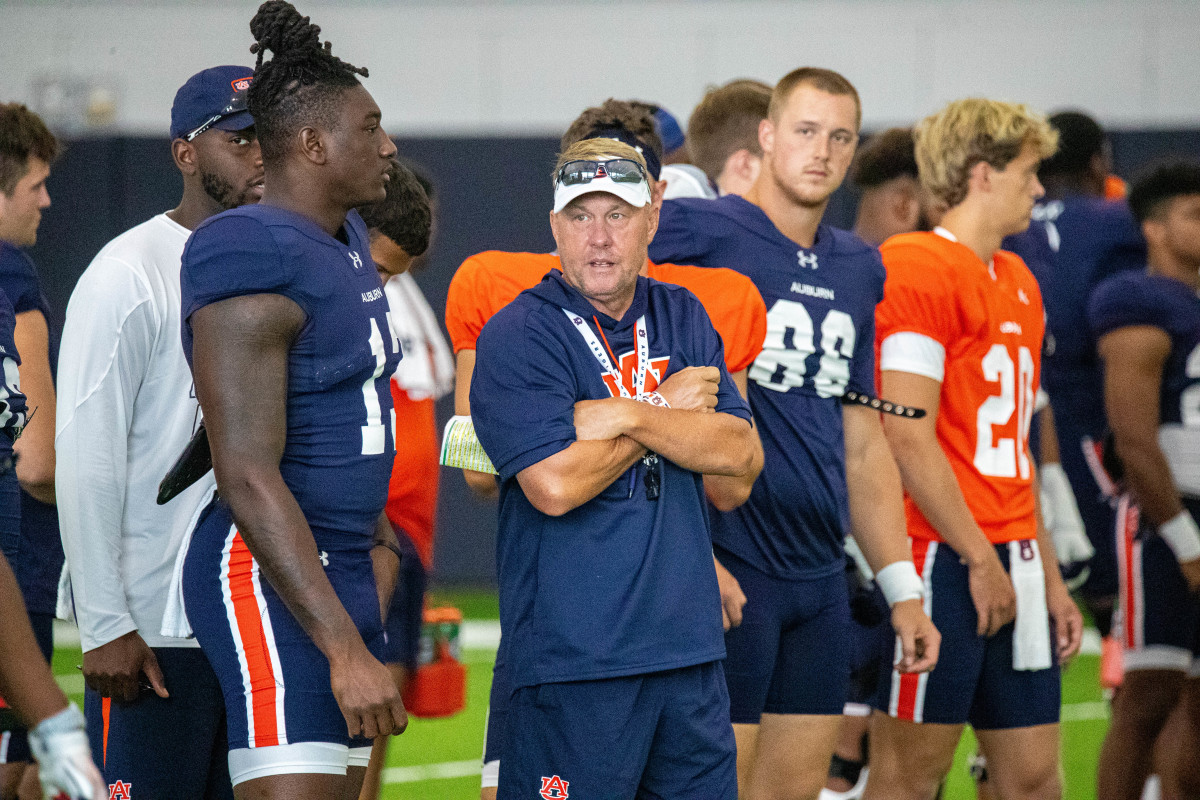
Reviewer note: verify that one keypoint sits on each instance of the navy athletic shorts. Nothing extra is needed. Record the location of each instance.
(791, 654)
(658, 735)
(172, 749)
(407, 610)
(974, 680)
(1158, 619)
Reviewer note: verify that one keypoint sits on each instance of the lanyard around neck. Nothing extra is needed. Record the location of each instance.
(641, 340)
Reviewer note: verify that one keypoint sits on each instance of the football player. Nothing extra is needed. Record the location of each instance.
(788, 667)
(290, 569)
(959, 333)
(1147, 326)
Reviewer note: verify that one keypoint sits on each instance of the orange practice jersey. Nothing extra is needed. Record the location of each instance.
(487, 282)
(413, 488)
(990, 322)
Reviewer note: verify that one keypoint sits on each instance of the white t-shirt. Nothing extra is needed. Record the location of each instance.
(126, 409)
(427, 369)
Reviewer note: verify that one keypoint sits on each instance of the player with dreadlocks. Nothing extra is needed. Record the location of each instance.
(284, 325)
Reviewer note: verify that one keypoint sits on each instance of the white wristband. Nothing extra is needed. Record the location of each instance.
(899, 582)
(1181, 535)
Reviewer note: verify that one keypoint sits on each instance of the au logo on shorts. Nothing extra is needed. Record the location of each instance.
(554, 788)
(120, 791)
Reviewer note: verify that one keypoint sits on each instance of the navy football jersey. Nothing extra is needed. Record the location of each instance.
(1136, 299)
(820, 342)
(41, 555)
(339, 450)
(1071, 246)
(623, 584)
(12, 402)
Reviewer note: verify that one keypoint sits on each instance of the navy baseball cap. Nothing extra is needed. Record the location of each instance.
(212, 98)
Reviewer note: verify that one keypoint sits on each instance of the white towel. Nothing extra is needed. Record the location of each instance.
(175, 622)
(65, 606)
(1031, 633)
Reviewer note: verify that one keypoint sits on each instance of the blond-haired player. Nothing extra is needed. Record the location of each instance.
(959, 332)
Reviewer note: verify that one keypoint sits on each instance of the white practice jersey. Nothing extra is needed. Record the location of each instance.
(427, 369)
(126, 409)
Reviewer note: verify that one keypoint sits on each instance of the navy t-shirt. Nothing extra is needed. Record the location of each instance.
(1136, 298)
(40, 558)
(338, 456)
(1072, 245)
(820, 342)
(622, 585)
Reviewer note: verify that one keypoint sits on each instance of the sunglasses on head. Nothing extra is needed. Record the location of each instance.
(236, 104)
(618, 170)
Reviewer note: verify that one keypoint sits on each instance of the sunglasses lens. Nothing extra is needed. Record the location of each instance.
(622, 170)
(574, 173)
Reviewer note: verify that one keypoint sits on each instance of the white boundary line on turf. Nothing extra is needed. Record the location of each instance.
(484, 634)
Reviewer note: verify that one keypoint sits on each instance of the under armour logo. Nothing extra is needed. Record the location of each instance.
(1024, 298)
(120, 790)
(808, 260)
(324, 559)
(554, 788)
(356, 259)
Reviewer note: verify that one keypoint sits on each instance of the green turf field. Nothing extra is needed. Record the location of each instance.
(439, 759)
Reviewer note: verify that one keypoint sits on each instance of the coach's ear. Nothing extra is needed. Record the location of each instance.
(184, 155)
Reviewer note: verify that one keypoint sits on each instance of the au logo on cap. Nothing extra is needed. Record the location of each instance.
(241, 84)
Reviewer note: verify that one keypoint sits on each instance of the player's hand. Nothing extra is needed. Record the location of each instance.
(692, 389)
(919, 639)
(993, 594)
(1191, 573)
(65, 767)
(367, 695)
(115, 669)
(599, 420)
(733, 599)
(1068, 622)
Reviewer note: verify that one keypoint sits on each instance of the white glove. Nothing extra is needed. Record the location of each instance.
(1060, 512)
(65, 768)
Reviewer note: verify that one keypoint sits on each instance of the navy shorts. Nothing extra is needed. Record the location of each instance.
(974, 680)
(172, 749)
(872, 643)
(1158, 619)
(791, 654)
(497, 718)
(14, 738)
(274, 679)
(659, 735)
(1095, 495)
(407, 610)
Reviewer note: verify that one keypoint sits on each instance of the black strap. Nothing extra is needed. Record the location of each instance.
(852, 397)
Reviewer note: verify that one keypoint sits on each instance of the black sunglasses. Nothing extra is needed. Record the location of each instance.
(652, 481)
(618, 170)
(236, 104)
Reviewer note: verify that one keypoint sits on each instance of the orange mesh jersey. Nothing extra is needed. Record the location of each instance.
(990, 322)
(487, 282)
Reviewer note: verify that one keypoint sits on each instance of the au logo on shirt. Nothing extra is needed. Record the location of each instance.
(121, 790)
(807, 260)
(554, 788)
(627, 365)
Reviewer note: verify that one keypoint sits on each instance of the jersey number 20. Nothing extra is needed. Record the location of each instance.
(1005, 457)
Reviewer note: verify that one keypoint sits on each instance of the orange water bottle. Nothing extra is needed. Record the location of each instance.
(438, 687)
